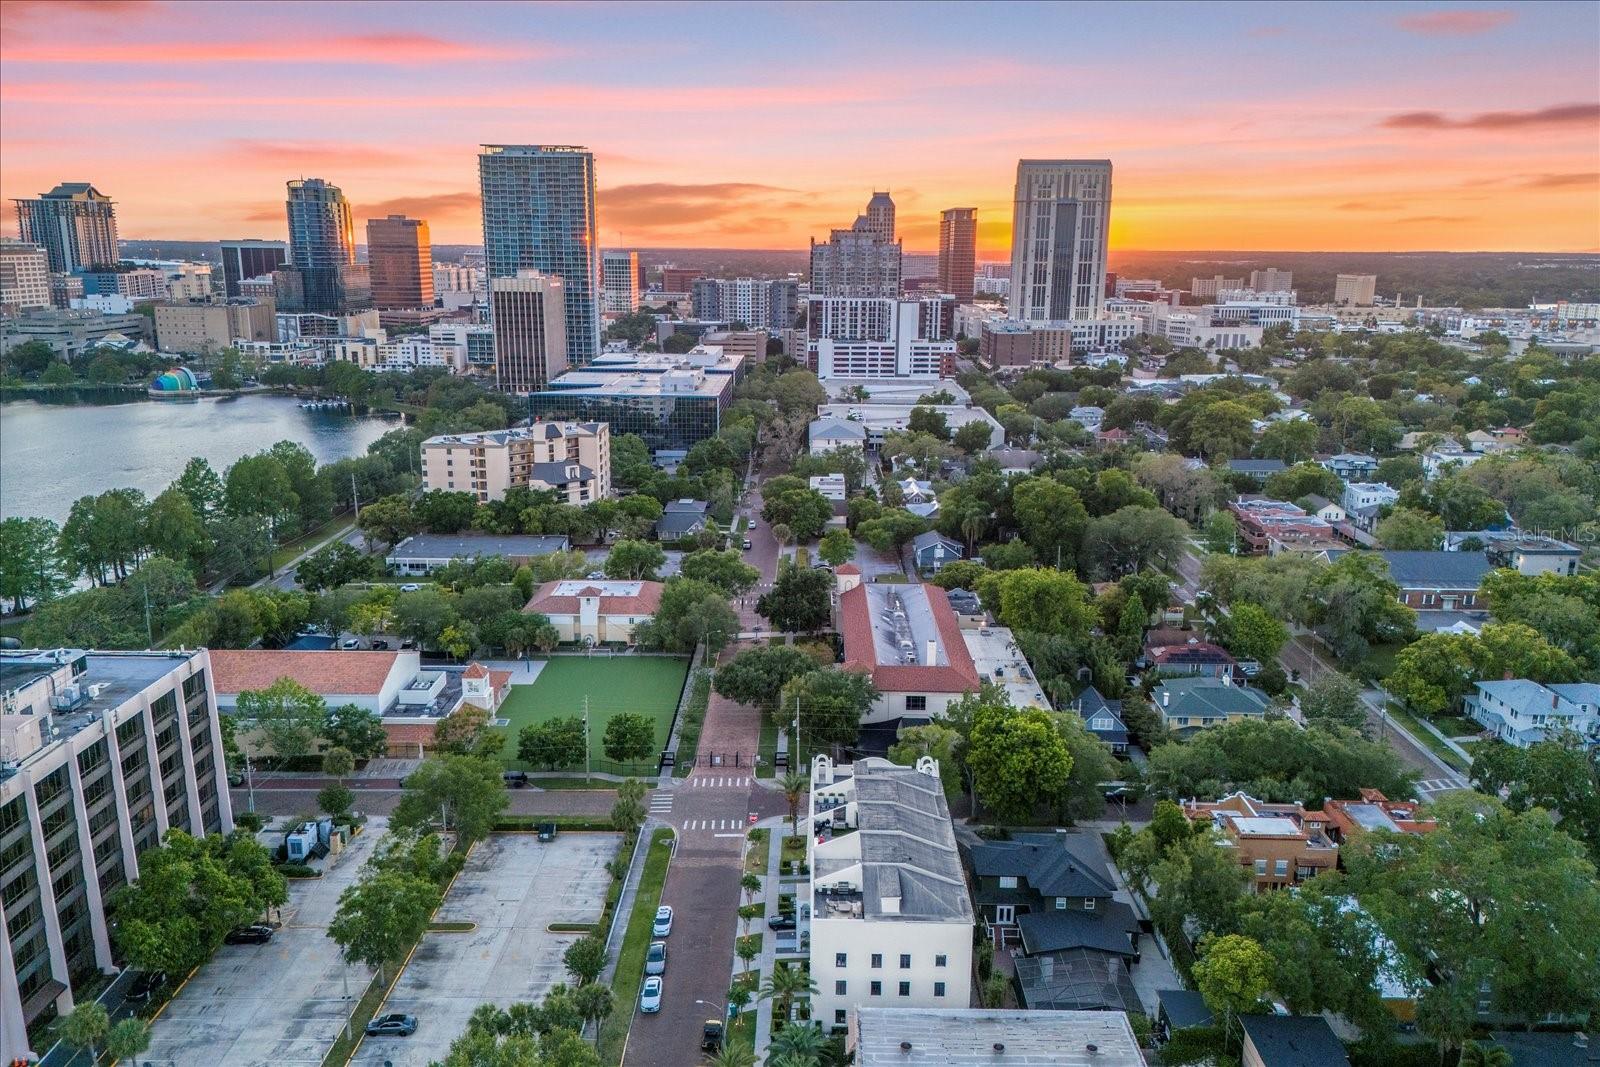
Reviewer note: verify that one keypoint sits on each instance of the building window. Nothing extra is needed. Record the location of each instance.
(875, 989)
(905, 961)
(941, 960)
(1280, 868)
(916, 703)
(1088, 903)
(1061, 903)
(1261, 868)
(1005, 913)
(1008, 881)
(838, 988)
(877, 959)
(938, 989)
(838, 1017)
(839, 959)
(905, 989)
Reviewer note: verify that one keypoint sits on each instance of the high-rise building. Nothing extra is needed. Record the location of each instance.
(1208, 288)
(250, 258)
(619, 281)
(74, 223)
(676, 279)
(880, 337)
(1359, 290)
(538, 215)
(958, 251)
(1058, 239)
(103, 753)
(400, 259)
(529, 315)
(864, 260)
(24, 276)
(322, 246)
(1272, 280)
(759, 303)
(571, 458)
(879, 219)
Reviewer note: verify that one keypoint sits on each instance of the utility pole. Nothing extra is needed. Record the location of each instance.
(250, 780)
(355, 498)
(586, 737)
(149, 636)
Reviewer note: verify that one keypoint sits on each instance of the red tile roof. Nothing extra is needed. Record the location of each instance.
(960, 675)
(547, 602)
(498, 680)
(331, 671)
(848, 568)
(475, 670)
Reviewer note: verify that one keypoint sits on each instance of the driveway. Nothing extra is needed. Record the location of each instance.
(513, 887)
(275, 1004)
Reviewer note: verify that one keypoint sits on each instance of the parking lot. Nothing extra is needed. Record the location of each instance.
(279, 1003)
(513, 887)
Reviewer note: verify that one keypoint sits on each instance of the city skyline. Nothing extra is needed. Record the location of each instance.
(1344, 127)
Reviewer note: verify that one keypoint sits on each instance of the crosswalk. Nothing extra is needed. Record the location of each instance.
(712, 824)
(661, 803)
(718, 782)
(1440, 785)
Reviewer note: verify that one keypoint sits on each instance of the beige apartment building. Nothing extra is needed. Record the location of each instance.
(24, 276)
(200, 326)
(571, 458)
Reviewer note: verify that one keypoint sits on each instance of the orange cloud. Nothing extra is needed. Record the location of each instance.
(440, 207)
(371, 48)
(1560, 115)
(300, 156)
(657, 206)
(1454, 23)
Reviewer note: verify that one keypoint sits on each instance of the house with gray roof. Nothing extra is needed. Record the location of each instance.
(1434, 581)
(1291, 1041)
(827, 434)
(1200, 702)
(1258, 470)
(425, 553)
(1521, 712)
(682, 518)
(892, 1036)
(931, 550)
(1052, 893)
(1103, 718)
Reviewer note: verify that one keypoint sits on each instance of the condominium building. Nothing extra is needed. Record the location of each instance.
(891, 921)
(571, 458)
(400, 261)
(203, 326)
(1060, 227)
(1272, 280)
(24, 276)
(530, 317)
(675, 279)
(101, 753)
(74, 223)
(958, 251)
(322, 250)
(456, 278)
(759, 303)
(1208, 288)
(879, 337)
(538, 214)
(1358, 290)
(619, 282)
(250, 258)
(1010, 343)
(864, 260)
(135, 284)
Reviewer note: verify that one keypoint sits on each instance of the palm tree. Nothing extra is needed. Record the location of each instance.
(751, 885)
(86, 1027)
(733, 1056)
(802, 1043)
(1476, 1055)
(794, 785)
(786, 983)
(128, 1039)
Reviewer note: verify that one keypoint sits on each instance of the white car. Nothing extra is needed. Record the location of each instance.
(410, 587)
(350, 643)
(752, 525)
(663, 924)
(650, 995)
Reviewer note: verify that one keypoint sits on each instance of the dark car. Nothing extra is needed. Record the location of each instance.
(254, 934)
(781, 922)
(392, 1025)
(547, 831)
(146, 984)
(380, 646)
(516, 779)
(711, 1036)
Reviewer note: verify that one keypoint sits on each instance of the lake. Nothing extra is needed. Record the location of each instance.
(50, 454)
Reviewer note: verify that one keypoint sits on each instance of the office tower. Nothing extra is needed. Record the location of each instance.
(880, 337)
(1272, 280)
(24, 276)
(529, 315)
(619, 280)
(1058, 239)
(250, 258)
(958, 251)
(322, 244)
(1360, 290)
(759, 303)
(400, 260)
(74, 223)
(678, 279)
(879, 219)
(861, 261)
(103, 753)
(538, 214)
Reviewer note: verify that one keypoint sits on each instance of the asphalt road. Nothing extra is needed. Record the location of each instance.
(285, 579)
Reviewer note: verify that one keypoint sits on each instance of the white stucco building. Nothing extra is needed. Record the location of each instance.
(596, 611)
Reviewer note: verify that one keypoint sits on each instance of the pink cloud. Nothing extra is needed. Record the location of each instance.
(1454, 23)
(370, 48)
(1560, 115)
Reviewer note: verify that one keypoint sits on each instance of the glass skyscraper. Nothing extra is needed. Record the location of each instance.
(74, 223)
(322, 243)
(538, 214)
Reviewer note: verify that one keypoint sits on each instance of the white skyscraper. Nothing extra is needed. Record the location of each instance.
(1058, 239)
(619, 282)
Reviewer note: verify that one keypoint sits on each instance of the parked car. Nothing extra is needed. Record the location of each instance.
(392, 1025)
(515, 779)
(235, 778)
(663, 923)
(655, 959)
(350, 643)
(747, 545)
(379, 646)
(408, 643)
(711, 1036)
(547, 831)
(145, 984)
(254, 934)
(650, 995)
(781, 922)
(410, 587)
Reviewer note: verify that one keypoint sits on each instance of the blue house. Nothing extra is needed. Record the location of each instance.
(932, 550)
(1103, 718)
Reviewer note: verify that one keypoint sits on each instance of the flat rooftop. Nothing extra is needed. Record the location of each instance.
(976, 1037)
(903, 626)
(898, 416)
(662, 383)
(1266, 826)
(588, 587)
(449, 546)
(539, 431)
(901, 391)
(997, 656)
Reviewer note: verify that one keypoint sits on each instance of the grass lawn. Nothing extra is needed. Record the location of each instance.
(642, 685)
(755, 856)
(1378, 663)
(630, 957)
(1454, 726)
(1424, 737)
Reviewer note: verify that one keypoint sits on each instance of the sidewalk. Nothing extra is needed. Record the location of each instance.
(771, 889)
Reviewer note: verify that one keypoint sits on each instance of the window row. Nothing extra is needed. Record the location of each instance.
(842, 959)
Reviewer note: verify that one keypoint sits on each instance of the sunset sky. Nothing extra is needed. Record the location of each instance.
(1231, 126)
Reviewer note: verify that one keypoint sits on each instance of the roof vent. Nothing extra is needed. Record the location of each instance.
(1091, 1048)
(999, 1047)
(905, 1046)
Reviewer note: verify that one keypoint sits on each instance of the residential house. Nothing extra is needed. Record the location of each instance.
(682, 518)
(1363, 503)
(891, 921)
(1350, 466)
(424, 553)
(1521, 712)
(1345, 819)
(1189, 656)
(1326, 510)
(943, 1037)
(1088, 416)
(1440, 460)
(1527, 554)
(968, 608)
(1435, 581)
(1257, 470)
(909, 640)
(825, 435)
(1103, 718)
(596, 612)
(1535, 1048)
(1015, 460)
(1112, 438)
(1279, 844)
(1412, 440)
(1290, 1041)
(1200, 702)
(830, 486)
(1490, 442)
(916, 491)
(931, 550)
